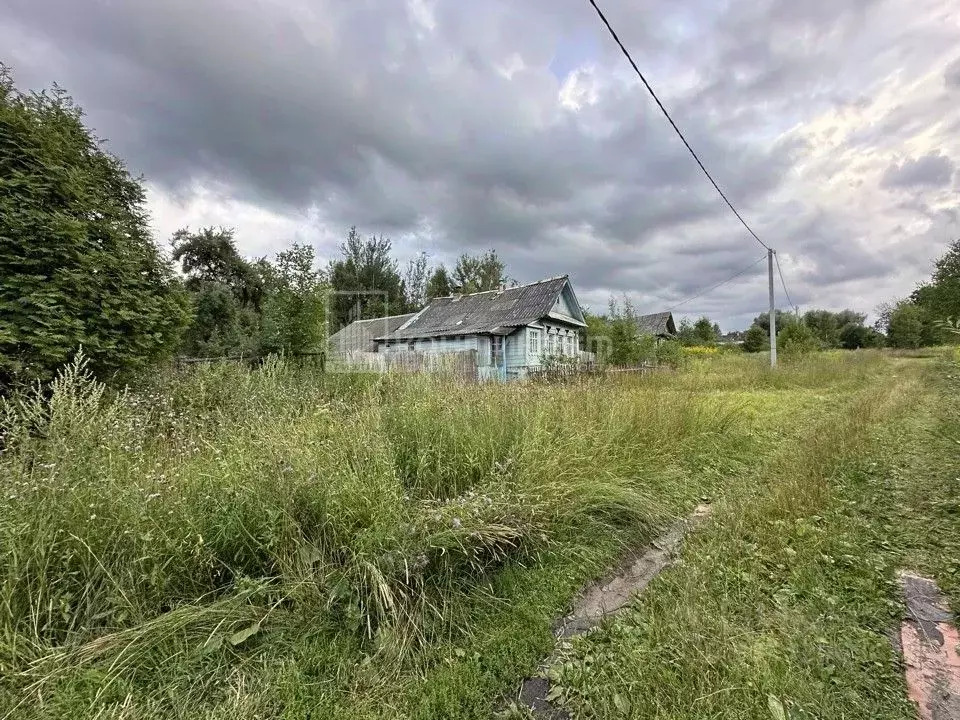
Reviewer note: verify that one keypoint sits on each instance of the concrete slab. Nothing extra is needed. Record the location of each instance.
(931, 649)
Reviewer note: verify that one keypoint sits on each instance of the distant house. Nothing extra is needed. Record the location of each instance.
(660, 325)
(359, 335)
(511, 329)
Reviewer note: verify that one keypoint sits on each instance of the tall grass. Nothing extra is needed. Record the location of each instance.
(196, 516)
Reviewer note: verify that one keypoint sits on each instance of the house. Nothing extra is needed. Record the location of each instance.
(660, 325)
(512, 330)
(359, 335)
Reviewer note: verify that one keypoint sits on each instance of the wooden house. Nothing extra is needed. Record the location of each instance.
(660, 325)
(512, 330)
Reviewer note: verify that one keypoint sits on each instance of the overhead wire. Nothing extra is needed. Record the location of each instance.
(783, 282)
(666, 114)
(719, 284)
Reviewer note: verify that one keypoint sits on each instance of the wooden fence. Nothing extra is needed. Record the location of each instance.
(584, 370)
(461, 364)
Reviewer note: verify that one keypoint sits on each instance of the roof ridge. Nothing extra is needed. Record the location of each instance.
(510, 287)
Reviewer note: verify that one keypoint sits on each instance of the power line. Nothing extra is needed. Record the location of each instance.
(719, 284)
(672, 123)
(782, 281)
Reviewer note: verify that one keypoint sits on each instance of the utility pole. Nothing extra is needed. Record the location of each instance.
(773, 313)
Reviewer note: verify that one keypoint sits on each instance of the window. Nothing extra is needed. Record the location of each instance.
(496, 350)
(534, 341)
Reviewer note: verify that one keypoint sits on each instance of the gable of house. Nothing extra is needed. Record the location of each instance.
(659, 324)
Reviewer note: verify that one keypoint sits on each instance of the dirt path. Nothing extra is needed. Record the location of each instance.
(605, 597)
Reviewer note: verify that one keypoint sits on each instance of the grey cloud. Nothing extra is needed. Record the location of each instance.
(933, 170)
(354, 111)
(952, 75)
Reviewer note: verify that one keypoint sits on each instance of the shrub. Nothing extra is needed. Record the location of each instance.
(796, 338)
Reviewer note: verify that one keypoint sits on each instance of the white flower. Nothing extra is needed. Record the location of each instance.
(457, 524)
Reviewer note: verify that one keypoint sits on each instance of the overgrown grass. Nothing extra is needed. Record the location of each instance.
(272, 542)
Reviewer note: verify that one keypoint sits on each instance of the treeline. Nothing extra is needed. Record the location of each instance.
(930, 315)
(243, 307)
(814, 330)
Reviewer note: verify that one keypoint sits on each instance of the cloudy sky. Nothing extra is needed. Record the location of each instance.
(455, 126)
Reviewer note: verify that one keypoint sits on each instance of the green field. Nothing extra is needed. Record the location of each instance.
(277, 543)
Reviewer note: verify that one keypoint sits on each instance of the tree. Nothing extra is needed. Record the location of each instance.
(477, 273)
(940, 298)
(855, 335)
(705, 331)
(226, 291)
(295, 307)
(365, 282)
(906, 323)
(763, 320)
(701, 332)
(826, 325)
(796, 338)
(78, 264)
(756, 339)
(439, 284)
(415, 283)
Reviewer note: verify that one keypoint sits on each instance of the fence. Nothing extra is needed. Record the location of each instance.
(583, 370)
(461, 364)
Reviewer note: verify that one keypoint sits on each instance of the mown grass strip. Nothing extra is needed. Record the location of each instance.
(783, 602)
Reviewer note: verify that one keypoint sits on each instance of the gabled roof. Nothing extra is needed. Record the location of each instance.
(359, 334)
(657, 324)
(495, 312)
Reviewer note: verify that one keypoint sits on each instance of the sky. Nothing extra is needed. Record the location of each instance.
(451, 127)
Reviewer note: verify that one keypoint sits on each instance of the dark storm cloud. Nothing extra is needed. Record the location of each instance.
(933, 170)
(359, 111)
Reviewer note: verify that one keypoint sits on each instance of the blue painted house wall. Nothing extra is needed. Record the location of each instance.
(556, 332)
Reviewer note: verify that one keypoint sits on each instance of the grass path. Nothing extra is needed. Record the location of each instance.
(780, 608)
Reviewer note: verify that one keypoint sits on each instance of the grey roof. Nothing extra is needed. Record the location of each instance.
(359, 334)
(659, 324)
(494, 312)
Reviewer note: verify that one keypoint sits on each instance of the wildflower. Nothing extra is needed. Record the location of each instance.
(457, 524)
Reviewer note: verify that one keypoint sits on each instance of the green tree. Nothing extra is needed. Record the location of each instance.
(365, 282)
(439, 284)
(477, 273)
(906, 325)
(940, 298)
(756, 339)
(706, 332)
(295, 307)
(827, 325)
(77, 262)
(796, 338)
(763, 320)
(701, 332)
(415, 281)
(226, 291)
(856, 335)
